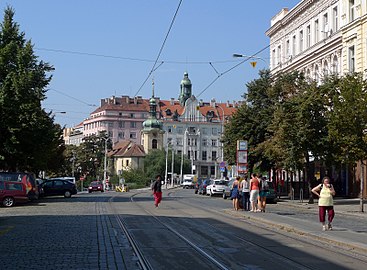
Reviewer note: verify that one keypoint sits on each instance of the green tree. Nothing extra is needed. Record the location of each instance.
(29, 138)
(155, 163)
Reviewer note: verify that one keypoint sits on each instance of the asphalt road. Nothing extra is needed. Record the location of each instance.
(187, 231)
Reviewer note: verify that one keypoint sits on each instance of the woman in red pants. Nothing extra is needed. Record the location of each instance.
(325, 192)
(157, 190)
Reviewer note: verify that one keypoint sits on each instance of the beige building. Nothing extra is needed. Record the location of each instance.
(319, 37)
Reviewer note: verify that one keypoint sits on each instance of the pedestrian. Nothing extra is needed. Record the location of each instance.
(254, 192)
(263, 191)
(245, 187)
(235, 192)
(157, 190)
(325, 192)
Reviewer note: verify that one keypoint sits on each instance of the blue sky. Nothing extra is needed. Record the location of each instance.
(204, 31)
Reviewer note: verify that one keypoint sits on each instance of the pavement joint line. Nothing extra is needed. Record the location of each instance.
(288, 229)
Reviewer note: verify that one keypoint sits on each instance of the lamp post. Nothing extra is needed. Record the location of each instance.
(182, 156)
(166, 171)
(105, 162)
(222, 130)
(173, 163)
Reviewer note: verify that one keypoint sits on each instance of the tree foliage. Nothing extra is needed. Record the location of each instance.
(288, 119)
(29, 139)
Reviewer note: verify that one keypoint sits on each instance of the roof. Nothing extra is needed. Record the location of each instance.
(127, 148)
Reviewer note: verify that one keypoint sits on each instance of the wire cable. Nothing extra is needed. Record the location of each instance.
(161, 49)
(235, 66)
(79, 100)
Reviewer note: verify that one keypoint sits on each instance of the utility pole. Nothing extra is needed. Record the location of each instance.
(173, 164)
(166, 172)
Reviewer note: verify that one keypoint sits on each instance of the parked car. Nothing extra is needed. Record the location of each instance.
(203, 185)
(271, 195)
(216, 187)
(227, 189)
(12, 192)
(95, 186)
(17, 187)
(58, 187)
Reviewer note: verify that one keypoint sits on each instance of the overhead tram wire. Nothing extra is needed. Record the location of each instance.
(161, 49)
(79, 100)
(230, 69)
(136, 59)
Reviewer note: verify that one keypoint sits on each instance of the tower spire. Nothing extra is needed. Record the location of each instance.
(153, 87)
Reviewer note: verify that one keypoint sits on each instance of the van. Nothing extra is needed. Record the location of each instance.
(17, 187)
(188, 181)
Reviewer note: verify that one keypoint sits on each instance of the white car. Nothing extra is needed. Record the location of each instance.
(216, 187)
(188, 183)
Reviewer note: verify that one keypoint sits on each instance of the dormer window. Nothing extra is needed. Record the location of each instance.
(168, 112)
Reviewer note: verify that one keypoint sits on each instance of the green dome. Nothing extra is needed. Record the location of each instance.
(151, 123)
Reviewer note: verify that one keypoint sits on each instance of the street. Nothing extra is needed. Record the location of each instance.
(125, 231)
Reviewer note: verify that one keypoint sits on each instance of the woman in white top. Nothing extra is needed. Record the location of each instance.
(325, 192)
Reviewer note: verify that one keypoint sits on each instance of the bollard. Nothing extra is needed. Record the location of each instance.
(301, 195)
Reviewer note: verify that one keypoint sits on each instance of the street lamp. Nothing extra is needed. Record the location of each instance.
(248, 56)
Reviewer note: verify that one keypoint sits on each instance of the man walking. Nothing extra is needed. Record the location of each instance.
(157, 190)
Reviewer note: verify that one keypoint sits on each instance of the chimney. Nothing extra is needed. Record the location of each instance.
(212, 102)
(172, 102)
(228, 104)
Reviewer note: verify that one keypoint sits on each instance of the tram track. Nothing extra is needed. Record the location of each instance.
(319, 242)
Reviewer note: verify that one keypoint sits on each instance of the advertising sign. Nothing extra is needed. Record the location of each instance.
(242, 157)
(242, 168)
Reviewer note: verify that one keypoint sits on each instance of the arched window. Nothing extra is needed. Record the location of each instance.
(326, 69)
(308, 73)
(335, 65)
(154, 144)
(317, 75)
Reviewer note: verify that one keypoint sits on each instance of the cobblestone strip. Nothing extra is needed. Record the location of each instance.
(115, 251)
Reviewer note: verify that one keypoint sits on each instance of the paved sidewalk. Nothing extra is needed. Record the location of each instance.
(304, 222)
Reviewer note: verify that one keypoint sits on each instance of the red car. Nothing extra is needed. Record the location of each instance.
(95, 186)
(12, 192)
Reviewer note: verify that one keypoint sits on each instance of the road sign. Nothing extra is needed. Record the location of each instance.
(222, 169)
(222, 164)
(242, 145)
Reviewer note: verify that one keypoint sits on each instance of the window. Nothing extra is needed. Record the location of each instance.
(121, 124)
(214, 155)
(192, 130)
(2, 185)
(288, 52)
(317, 76)
(132, 115)
(308, 33)
(179, 141)
(179, 130)
(294, 45)
(110, 124)
(13, 186)
(205, 142)
(279, 55)
(316, 33)
(58, 183)
(273, 58)
(214, 142)
(326, 25)
(212, 170)
(301, 41)
(121, 135)
(127, 163)
(169, 129)
(335, 19)
(169, 141)
(205, 131)
(215, 131)
(351, 10)
(154, 144)
(204, 157)
(133, 124)
(326, 68)
(143, 115)
(132, 135)
(335, 64)
(351, 59)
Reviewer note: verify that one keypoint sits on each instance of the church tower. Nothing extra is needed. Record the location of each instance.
(152, 133)
(185, 91)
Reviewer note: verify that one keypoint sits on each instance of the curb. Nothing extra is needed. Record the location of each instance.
(362, 250)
